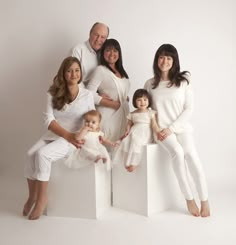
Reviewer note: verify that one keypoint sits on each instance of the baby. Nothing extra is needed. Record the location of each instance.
(93, 149)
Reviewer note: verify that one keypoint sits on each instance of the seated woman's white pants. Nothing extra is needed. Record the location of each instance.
(41, 156)
(182, 151)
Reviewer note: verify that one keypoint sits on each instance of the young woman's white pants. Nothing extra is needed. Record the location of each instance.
(41, 156)
(182, 151)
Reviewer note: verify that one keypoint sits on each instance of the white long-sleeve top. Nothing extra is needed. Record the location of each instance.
(88, 59)
(174, 105)
(105, 81)
(71, 115)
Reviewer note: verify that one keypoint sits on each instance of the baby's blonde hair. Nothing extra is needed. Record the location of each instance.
(93, 113)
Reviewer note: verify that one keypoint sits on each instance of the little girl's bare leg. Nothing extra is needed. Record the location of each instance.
(99, 157)
(131, 168)
(104, 159)
(193, 208)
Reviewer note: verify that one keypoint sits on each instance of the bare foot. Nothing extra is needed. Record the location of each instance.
(28, 206)
(205, 209)
(193, 208)
(131, 168)
(99, 157)
(104, 160)
(38, 210)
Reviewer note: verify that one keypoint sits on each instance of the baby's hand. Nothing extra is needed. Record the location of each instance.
(117, 143)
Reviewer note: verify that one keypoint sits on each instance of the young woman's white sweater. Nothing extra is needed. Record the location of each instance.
(174, 105)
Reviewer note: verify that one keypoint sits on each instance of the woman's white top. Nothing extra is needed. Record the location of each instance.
(105, 81)
(174, 105)
(71, 115)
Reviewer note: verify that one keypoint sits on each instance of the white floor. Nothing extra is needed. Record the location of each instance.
(118, 227)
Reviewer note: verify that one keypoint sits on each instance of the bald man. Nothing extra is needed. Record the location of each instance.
(88, 52)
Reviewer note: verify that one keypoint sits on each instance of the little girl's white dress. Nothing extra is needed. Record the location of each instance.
(88, 152)
(130, 150)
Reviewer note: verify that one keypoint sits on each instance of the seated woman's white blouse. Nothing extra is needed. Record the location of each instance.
(71, 115)
(174, 105)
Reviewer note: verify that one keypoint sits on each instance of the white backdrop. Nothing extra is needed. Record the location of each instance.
(37, 35)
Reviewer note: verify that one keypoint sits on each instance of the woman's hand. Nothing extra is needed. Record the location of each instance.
(105, 96)
(163, 134)
(115, 105)
(73, 139)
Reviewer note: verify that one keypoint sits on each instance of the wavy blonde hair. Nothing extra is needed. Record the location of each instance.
(59, 89)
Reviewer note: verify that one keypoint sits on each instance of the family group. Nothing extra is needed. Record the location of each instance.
(88, 119)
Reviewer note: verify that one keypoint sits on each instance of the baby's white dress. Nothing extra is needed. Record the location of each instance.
(88, 153)
(130, 150)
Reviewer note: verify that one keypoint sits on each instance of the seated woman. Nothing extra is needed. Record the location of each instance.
(67, 103)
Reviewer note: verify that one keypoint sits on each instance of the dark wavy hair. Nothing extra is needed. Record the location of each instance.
(119, 63)
(175, 75)
(139, 93)
(59, 89)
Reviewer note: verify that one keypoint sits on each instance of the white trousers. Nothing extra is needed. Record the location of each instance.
(182, 150)
(41, 156)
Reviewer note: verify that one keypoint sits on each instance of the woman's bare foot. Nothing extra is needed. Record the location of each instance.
(38, 209)
(205, 209)
(193, 208)
(28, 206)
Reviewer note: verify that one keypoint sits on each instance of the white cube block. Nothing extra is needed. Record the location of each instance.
(152, 187)
(81, 193)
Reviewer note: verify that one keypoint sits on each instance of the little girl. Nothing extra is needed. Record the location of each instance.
(92, 150)
(139, 132)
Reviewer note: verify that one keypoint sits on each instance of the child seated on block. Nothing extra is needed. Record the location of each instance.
(142, 123)
(93, 149)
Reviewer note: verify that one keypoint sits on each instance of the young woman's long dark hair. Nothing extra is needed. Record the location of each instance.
(59, 90)
(119, 63)
(175, 75)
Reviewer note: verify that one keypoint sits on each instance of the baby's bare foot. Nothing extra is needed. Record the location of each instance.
(205, 209)
(193, 208)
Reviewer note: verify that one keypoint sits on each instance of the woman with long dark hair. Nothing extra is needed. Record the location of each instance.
(172, 97)
(110, 86)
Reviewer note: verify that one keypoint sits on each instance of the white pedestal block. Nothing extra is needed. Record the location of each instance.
(81, 193)
(151, 188)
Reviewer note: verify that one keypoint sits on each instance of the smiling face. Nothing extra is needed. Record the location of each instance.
(72, 74)
(165, 63)
(98, 36)
(93, 122)
(142, 103)
(111, 55)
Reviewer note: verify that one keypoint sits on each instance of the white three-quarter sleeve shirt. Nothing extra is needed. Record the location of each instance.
(70, 117)
(174, 105)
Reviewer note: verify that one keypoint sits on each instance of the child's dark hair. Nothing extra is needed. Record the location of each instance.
(139, 93)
